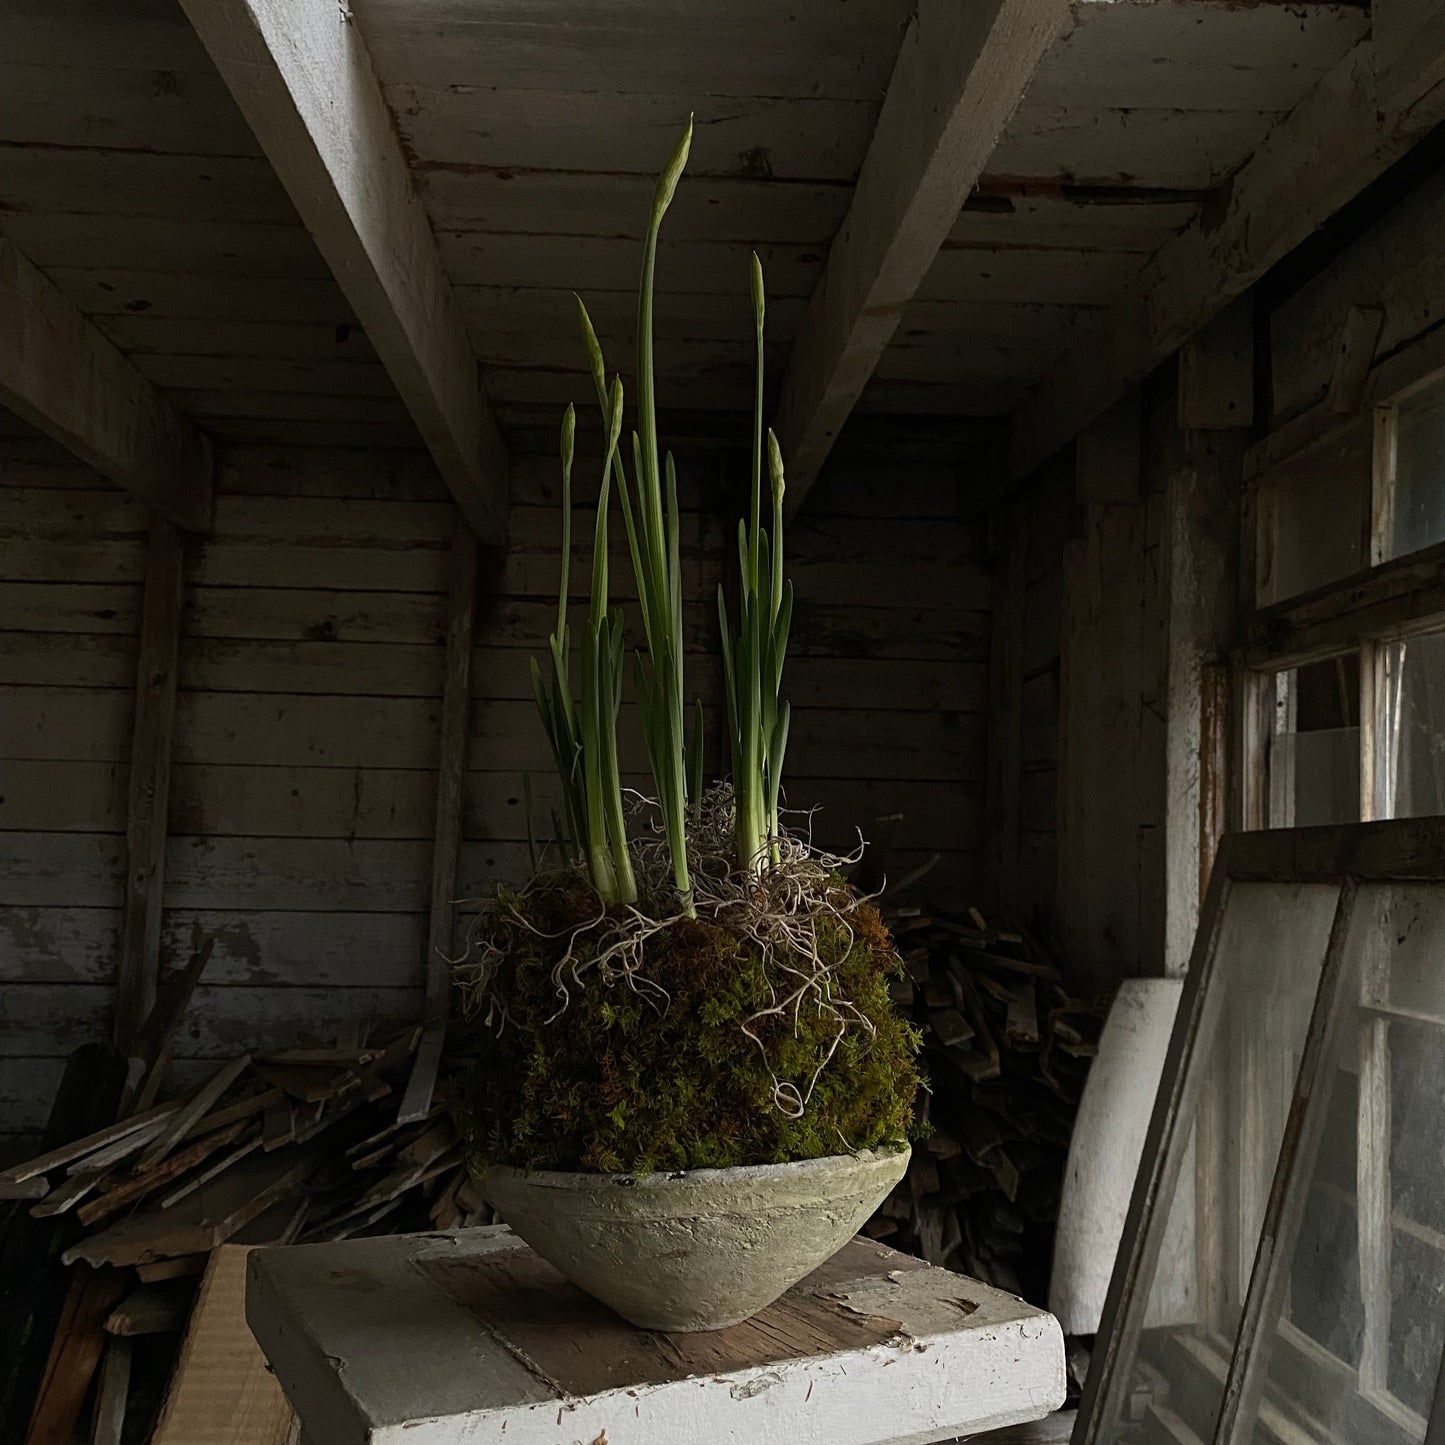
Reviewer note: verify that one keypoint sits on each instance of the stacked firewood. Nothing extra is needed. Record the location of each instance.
(1007, 1050)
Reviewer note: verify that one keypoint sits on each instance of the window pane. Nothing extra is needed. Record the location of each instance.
(1357, 1350)
(1324, 1300)
(1267, 967)
(1313, 513)
(1314, 754)
(1410, 982)
(1416, 506)
(1412, 748)
(1316, 1348)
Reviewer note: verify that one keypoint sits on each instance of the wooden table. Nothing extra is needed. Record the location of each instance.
(439, 1339)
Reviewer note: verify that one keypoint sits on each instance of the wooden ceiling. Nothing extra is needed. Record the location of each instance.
(533, 129)
(1134, 119)
(129, 177)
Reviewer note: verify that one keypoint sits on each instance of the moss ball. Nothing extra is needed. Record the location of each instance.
(625, 1079)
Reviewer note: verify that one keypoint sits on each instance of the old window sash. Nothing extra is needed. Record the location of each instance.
(1376, 609)
(1372, 613)
(1400, 851)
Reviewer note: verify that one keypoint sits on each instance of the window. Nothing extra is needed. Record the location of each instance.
(1343, 719)
(1412, 725)
(1411, 511)
(1282, 1276)
(1344, 669)
(1314, 751)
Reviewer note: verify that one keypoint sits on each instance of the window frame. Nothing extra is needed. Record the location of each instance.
(1386, 601)
(1402, 851)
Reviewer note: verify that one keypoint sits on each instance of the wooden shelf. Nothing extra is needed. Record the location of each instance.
(439, 1338)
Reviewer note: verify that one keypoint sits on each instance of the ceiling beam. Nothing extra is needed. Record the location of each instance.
(60, 374)
(1353, 125)
(1409, 40)
(961, 71)
(302, 76)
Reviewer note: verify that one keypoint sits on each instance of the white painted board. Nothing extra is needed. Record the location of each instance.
(370, 1348)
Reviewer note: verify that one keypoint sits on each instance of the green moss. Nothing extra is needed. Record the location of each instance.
(618, 1083)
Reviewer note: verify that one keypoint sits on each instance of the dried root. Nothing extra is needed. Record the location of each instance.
(777, 910)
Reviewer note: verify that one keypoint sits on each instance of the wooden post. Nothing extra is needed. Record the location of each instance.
(1203, 559)
(1214, 754)
(1214, 410)
(1101, 692)
(150, 779)
(451, 776)
(1005, 714)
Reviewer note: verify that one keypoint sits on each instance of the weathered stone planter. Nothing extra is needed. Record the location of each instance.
(697, 1250)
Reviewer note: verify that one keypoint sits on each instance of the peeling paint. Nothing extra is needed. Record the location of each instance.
(749, 1389)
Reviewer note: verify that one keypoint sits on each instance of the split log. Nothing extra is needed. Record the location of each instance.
(1007, 1052)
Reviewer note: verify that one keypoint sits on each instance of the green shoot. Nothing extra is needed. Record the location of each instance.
(650, 515)
(583, 738)
(753, 651)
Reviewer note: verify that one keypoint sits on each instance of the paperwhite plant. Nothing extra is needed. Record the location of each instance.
(584, 740)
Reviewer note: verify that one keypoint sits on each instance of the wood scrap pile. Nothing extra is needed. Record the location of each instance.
(1007, 1050)
(307, 1137)
(118, 1220)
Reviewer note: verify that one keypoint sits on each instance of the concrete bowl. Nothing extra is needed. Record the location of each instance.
(701, 1249)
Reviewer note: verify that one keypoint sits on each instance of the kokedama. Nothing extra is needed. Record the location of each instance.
(690, 1085)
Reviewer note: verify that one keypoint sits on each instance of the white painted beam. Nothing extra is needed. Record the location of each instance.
(1356, 122)
(61, 375)
(302, 76)
(960, 74)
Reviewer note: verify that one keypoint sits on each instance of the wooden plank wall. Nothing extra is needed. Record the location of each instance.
(1094, 663)
(302, 793)
(312, 657)
(72, 558)
(1046, 519)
